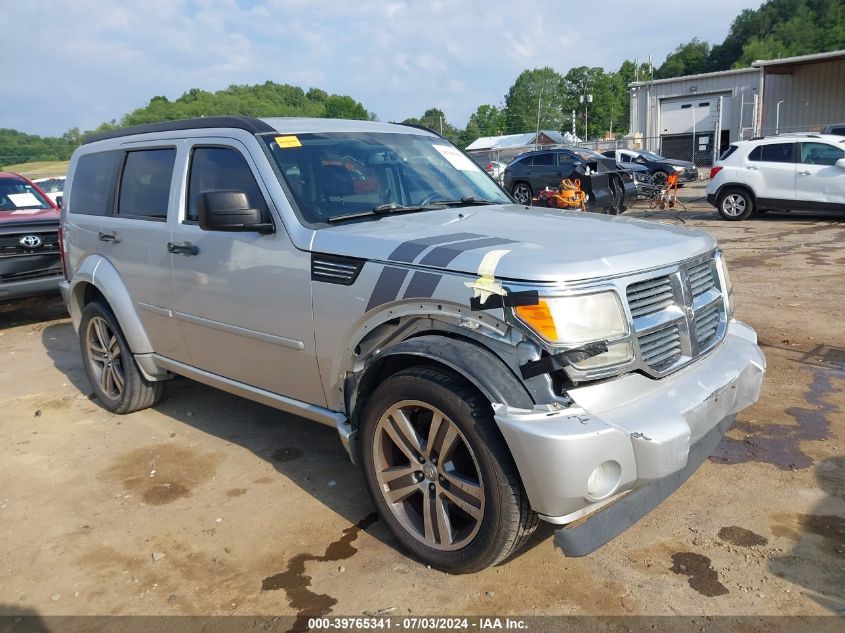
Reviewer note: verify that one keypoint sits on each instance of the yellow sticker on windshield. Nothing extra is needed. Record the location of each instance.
(287, 141)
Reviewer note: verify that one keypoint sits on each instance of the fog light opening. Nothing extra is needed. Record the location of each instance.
(604, 480)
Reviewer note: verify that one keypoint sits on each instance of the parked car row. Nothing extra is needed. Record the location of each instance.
(53, 187)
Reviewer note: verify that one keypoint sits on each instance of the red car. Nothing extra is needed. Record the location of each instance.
(30, 262)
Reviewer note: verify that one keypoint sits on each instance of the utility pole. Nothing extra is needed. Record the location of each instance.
(586, 99)
(573, 126)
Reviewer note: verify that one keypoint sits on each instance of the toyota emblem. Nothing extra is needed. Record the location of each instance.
(30, 241)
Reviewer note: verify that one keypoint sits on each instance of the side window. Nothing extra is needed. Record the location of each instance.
(221, 168)
(820, 154)
(145, 184)
(773, 153)
(92, 191)
(626, 158)
(546, 158)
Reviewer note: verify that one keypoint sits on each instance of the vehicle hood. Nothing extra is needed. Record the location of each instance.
(543, 245)
(29, 216)
(632, 167)
(676, 162)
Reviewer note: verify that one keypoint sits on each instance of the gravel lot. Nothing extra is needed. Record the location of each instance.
(210, 504)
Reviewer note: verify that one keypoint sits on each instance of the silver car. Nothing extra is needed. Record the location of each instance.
(487, 365)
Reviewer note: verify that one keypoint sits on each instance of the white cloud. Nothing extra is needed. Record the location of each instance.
(80, 63)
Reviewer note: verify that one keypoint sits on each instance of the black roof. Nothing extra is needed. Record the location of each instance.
(250, 124)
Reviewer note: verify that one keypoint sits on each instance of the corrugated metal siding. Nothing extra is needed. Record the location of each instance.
(813, 96)
(645, 98)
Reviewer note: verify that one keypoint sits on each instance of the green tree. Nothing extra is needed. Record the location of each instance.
(541, 87)
(435, 119)
(691, 58)
(487, 120)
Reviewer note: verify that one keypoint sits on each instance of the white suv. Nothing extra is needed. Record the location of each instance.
(785, 172)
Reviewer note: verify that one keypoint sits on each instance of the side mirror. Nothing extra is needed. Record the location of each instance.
(229, 210)
(841, 163)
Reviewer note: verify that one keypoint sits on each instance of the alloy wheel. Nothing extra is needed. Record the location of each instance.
(733, 205)
(105, 358)
(428, 475)
(522, 194)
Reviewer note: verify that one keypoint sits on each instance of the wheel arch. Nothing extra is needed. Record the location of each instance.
(737, 185)
(459, 356)
(97, 278)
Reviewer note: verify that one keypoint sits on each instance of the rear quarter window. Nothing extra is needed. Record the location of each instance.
(728, 152)
(92, 189)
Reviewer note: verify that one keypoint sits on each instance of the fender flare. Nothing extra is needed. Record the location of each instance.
(100, 273)
(486, 371)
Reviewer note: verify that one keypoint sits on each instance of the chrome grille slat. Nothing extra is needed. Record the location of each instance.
(649, 296)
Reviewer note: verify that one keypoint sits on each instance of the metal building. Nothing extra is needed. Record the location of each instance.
(699, 115)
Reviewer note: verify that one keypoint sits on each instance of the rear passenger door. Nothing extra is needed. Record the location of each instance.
(119, 211)
(544, 171)
(773, 172)
(242, 299)
(818, 179)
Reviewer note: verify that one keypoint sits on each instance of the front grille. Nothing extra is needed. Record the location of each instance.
(10, 245)
(677, 316)
(650, 296)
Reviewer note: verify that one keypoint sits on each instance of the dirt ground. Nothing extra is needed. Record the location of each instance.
(210, 504)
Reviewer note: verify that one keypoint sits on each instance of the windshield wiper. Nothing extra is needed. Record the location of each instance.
(385, 209)
(465, 201)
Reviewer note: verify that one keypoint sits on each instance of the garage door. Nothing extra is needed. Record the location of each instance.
(676, 115)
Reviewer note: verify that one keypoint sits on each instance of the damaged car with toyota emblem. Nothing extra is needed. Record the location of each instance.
(486, 364)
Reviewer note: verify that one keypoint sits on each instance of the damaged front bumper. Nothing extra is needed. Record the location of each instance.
(629, 434)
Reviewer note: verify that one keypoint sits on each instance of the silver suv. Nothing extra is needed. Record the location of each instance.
(486, 364)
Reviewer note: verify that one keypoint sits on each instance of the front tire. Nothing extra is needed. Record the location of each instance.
(440, 473)
(735, 204)
(522, 193)
(117, 382)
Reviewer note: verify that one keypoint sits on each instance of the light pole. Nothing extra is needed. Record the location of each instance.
(777, 116)
(586, 99)
(539, 97)
(693, 134)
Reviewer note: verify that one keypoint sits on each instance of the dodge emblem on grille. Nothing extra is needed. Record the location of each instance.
(30, 241)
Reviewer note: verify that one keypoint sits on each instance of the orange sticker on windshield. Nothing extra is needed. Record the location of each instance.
(287, 141)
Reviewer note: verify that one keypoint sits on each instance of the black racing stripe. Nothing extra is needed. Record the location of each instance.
(422, 285)
(387, 287)
(443, 255)
(410, 250)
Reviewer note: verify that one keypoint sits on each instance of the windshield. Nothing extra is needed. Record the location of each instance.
(18, 194)
(339, 174)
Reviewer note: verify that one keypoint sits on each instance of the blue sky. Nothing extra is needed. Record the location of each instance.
(77, 63)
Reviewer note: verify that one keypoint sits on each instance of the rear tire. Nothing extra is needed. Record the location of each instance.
(735, 204)
(522, 193)
(117, 382)
(440, 473)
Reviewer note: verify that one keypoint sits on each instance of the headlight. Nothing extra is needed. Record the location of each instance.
(639, 177)
(679, 168)
(576, 319)
(725, 282)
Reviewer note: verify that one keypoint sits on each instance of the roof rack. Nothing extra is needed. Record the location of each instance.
(250, 124)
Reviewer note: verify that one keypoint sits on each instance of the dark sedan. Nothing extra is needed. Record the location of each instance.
(659, 166)
(606, 187)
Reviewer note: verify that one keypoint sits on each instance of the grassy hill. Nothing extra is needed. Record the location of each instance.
(40, 169)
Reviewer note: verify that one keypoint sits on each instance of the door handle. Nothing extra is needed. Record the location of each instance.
(185, 248)
(805, 173)
(114, 238)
